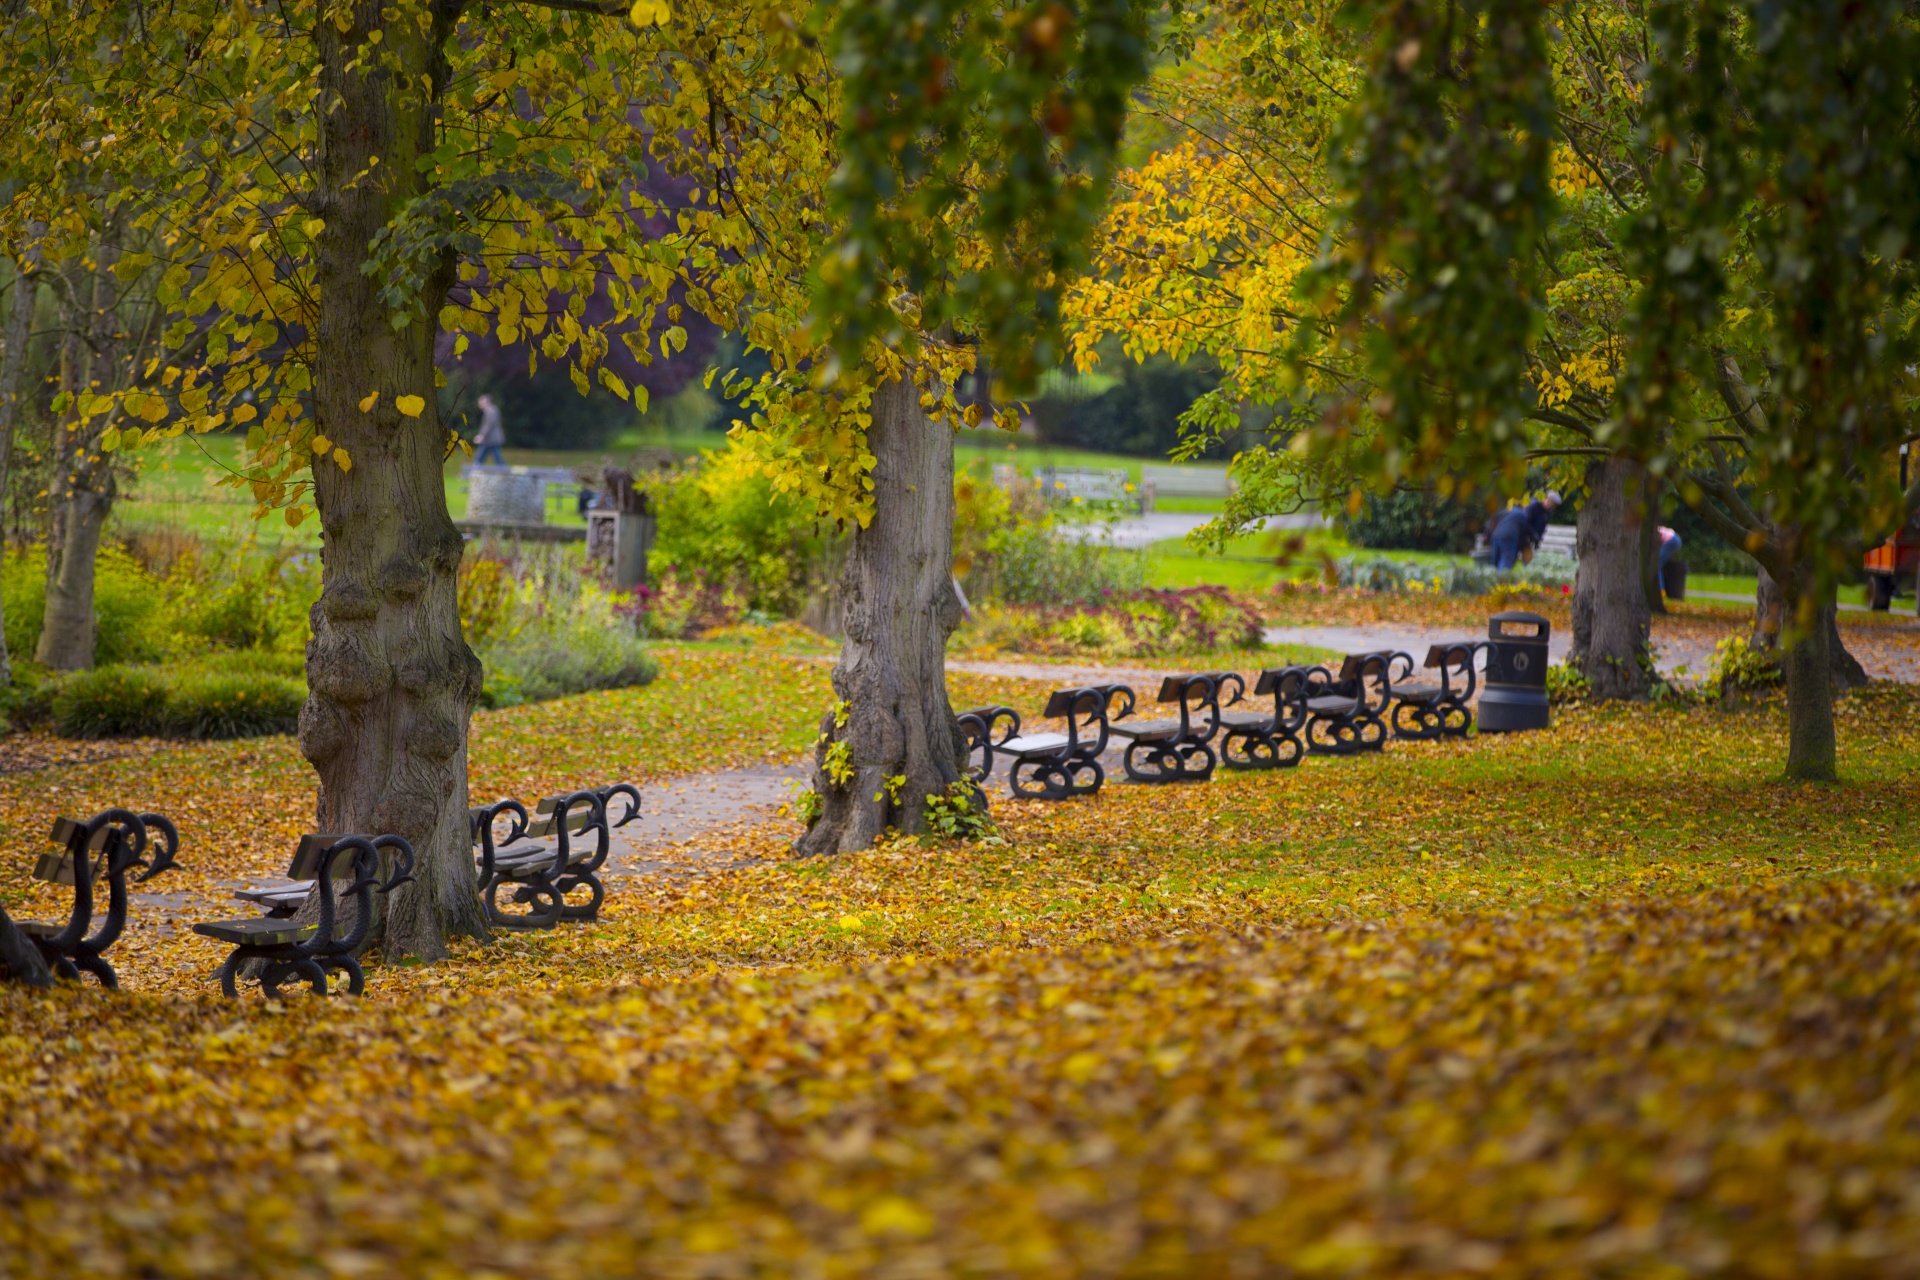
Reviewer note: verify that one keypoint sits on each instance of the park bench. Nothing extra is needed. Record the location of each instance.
(289, 948)
(1346, 714)
(1055, 766)
(1089, 484)
(542, 877)
(1259, 740)
(978, 726)
(1177, 748)
(1186, 482)
(111, 844)
(1428, 709)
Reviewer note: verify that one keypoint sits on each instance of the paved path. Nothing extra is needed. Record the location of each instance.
(1736, 598)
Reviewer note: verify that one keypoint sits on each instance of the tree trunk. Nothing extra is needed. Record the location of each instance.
(1807, 663)
(391, 681)
(13, 375)
(897, 594)
(1609, 602)
(20, 961)
(1649, 536)
(67, 631)
(1843, 669)
(82, 490)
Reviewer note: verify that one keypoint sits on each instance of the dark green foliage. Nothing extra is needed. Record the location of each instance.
(1140, 416)
(175, 701)
(1414, 520)
(1445, 162)
(1016, 110)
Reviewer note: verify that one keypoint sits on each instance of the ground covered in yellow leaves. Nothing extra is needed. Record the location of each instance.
(1602, 1001)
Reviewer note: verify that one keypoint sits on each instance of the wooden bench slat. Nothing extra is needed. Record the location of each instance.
(260, 931)
(1033, 744)
(1146, 729)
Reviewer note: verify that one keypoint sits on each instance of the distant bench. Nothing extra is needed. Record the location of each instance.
(1090, 484)
(1186, 482)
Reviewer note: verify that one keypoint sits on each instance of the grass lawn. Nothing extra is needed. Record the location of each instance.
(1607, 999)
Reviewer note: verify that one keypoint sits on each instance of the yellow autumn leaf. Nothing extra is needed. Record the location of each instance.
(372, 398)
(340, 457)
(321, 444)
(651, 13)
(895, 1216)
(412, 406)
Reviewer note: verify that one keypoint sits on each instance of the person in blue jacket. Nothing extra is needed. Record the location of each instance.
(1519, 529)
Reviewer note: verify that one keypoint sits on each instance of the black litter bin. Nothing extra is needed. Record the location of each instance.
(1673, 579)
(1516, 685)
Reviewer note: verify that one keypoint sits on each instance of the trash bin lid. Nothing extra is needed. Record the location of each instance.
(1518, 625)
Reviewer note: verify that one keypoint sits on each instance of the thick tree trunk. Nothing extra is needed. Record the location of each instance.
(897, 594)
(391, 681)
(1843, 669)
(1610, 618)
(21, 961)
(1649, 533)
(13, 376)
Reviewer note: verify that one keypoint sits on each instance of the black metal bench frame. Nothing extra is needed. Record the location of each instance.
(1424, 712)
(1252, 740)
(111, 844)
(1060, 770)
(978, 726)
(538, 880)
(311, 951)
(1180, 749)
(1352, 707)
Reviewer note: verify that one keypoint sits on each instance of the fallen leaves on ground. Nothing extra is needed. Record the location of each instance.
(1607, 999)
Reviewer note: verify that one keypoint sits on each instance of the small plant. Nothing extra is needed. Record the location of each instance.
(1737, 667)
(891, 791)
(961, 814)
(1567, 686)
(839, 763)
(804, 803)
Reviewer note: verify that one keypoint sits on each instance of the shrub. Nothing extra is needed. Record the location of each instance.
(724, 529)
(1737, 667)
(130, 605)
(1414, 520)
(544, 627)
(1139, 624)
(1379, 573)
(175, 701)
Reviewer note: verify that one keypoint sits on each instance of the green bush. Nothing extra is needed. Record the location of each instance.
(544, 627)
(1414, 520)
(129, 605)
(174, 701)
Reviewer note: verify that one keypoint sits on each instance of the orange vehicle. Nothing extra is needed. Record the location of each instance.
(1891, 565)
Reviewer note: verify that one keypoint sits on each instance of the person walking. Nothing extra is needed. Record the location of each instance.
(1519, 530)
(491, 436)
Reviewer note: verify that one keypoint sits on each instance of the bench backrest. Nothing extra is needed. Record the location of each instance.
(1084, 482)
(71, 837)
(1187, 482)
(307, 858)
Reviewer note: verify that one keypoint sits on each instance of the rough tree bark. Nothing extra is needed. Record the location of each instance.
(899, 604)
(391, 681)
(13, 374)
(1650, 584)
(82, 489)
(21, 961)
(1610, 617)
(1806, 628)
(1844, 671)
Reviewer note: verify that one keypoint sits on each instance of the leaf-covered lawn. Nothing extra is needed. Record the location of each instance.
(1605, 1000)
